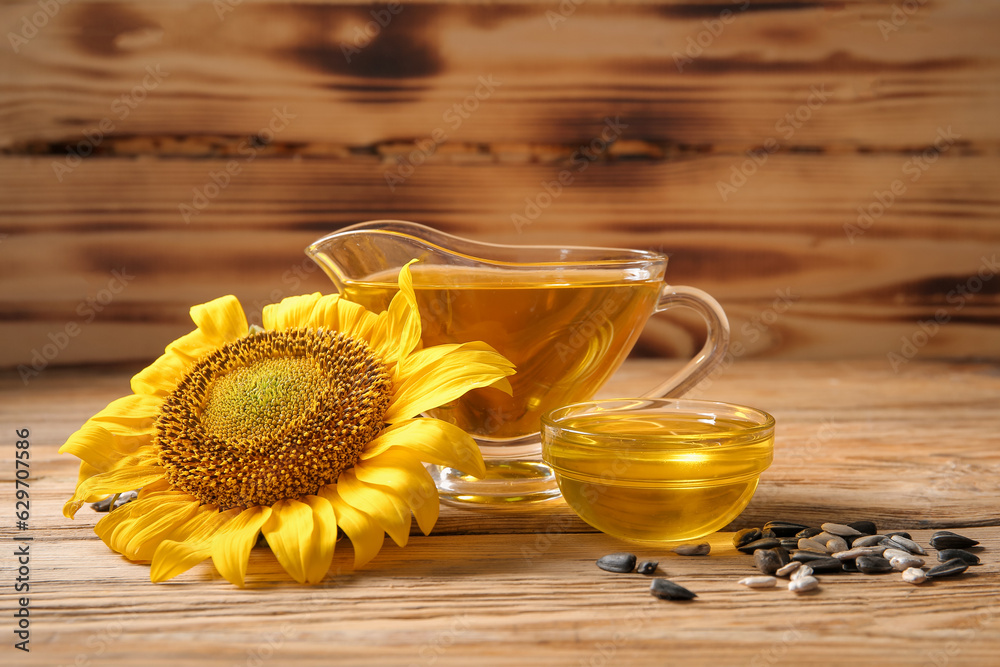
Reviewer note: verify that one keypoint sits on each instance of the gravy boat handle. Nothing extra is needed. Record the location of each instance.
(712, 352)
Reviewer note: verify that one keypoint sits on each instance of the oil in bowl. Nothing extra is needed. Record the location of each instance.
(657, 470)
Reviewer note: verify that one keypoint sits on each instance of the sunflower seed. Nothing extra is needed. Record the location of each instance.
(850, 565)
(759, 582)
(746, 536)
(788, 569)
(619, 562)
(851, 554)
(808, 532)
(903, 563)
(873, 565)
(803, 584)
(763, 543)
(868, 541)
(122, 498)
(809, 544)
(908, 544)
(896, 553)
(841, 530)
(702, 549)
(914, 575)
(803, 571)
(823, 537)
(668, 590)
(948, 554)
(836, 544)
(767, 532)
(784, 528)
(901, 533)
(948, 568)
(808, 556)
(826, 565)
(864, 527)
(769, 561)
(789, 542)
(647, 567)
(945, 539)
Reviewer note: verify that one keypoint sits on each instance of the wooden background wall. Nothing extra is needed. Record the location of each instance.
(845, 100)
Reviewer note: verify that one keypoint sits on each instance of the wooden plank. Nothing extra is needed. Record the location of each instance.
(684, 74)
(792, 231)
(910, 450)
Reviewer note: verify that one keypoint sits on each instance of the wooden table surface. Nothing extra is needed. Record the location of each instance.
(912, 450)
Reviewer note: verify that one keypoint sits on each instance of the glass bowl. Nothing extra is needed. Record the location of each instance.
(657, 470)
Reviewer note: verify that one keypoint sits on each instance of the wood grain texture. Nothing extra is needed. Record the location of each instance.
(223, 74)
(912, 450)
(775, 254)
(161, 98)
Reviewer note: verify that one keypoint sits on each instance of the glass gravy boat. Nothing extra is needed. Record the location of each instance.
(566, 316)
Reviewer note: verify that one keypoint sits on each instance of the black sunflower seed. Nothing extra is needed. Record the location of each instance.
(789, 542)
(948, 554)
(746, 536)
(619, 562)
(948, 568)
(105, 504)
(767, 532)
(647, 567)
(763, 543)
(769, 561)
(864, 527)
(784, 528)
(806, 533)
(668, 590)
(831, 564)
(803, 556)
(945, 539)
(873, 564)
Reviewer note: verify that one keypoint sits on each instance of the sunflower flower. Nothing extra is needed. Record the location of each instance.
(296, 430)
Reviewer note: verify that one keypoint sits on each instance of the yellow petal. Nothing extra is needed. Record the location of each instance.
(231, 548)
(162, 376)
(381, 504)
(365, 533)
(222, 320)
(408, 478)
(448, 379)
(429, 356)
(136, 529)
(354, 320)
(189, 544)
(397, 331)
(324, 538)
(193, 346)
(126, 477)
(289, 533)
(290, 313)
(100, 447)
(433, 441)
(130, 411)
